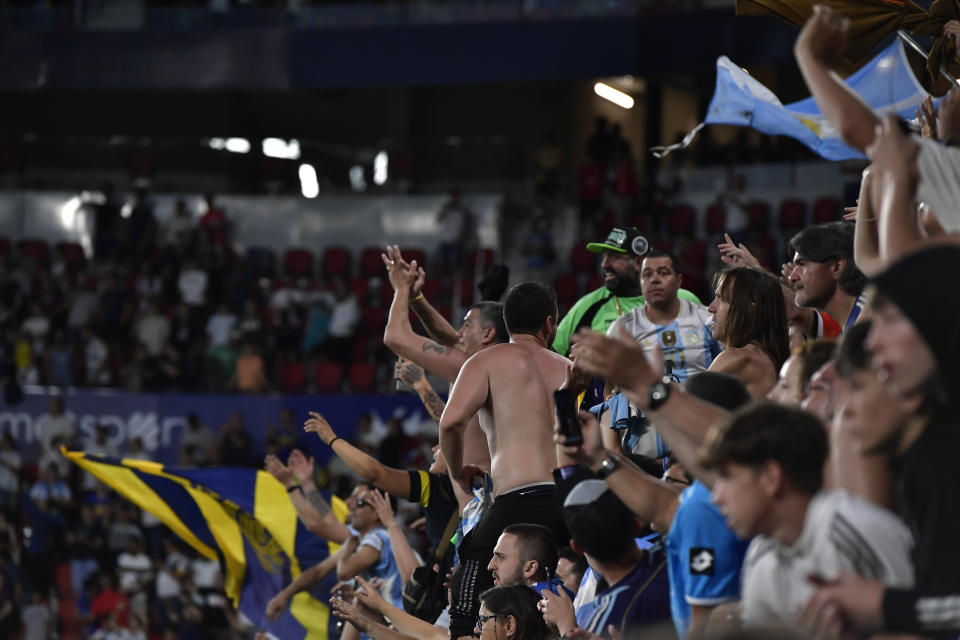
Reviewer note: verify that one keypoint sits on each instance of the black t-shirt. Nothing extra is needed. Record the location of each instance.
(434, 492)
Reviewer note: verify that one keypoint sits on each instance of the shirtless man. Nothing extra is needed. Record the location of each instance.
(445, 351)
(749, 318)
(511, 387)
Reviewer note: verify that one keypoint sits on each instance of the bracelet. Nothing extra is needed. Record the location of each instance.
(295, 487)
(418, 298)
(332, 440)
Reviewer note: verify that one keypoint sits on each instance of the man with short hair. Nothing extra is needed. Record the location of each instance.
(511, 387)
(633, 588)
(770, 461)
(824, 275)
(527, 554)
(445, 352)
(681, 329)
(623, 253)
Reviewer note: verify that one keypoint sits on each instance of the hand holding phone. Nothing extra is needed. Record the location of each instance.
(568, 416)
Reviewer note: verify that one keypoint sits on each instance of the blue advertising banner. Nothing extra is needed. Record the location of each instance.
(160, 419)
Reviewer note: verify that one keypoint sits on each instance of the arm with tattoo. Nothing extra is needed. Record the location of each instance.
(414, 376)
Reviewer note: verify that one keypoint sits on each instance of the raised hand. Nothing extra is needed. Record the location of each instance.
(317, 424)
(276, 606)
(825, 35)
(278, 470)
(408, 372)
(381, 504)
(301, 466)
(348, 612)
(590, 452)
(736, 255)
(558, 611)
(369, 595)
(928, 118)
(577, 380)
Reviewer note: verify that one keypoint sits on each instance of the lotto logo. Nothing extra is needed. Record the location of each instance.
(701, 561)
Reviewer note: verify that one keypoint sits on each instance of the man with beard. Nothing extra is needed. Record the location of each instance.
(623, 252)
(824, 276)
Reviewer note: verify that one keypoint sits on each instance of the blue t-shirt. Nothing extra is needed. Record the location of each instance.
(386, 567)
(639, 598)
(704, 557)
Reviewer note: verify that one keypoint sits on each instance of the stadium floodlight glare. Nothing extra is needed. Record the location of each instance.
(278, 148)
(237, 145)
(309, 186)
(615, 96)
(380, 163)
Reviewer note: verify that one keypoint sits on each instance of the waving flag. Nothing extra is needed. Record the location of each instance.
(241, 517)
(886, 83)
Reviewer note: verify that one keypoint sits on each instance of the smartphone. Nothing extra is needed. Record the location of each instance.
(568, 416)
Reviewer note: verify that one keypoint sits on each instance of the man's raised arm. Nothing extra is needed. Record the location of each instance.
(399, 336)
(467, 396)
(823, 39)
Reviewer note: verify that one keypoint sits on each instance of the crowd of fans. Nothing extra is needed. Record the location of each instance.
(777, 462)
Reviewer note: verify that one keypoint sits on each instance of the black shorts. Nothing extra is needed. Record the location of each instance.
(533, 505)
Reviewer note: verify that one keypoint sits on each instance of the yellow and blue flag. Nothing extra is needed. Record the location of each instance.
(241, 517)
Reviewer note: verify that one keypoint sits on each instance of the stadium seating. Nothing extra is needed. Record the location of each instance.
(327, 376)
(298, 262)
(336, 262)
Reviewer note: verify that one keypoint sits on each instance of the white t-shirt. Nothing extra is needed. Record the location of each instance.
(219, 327)
(170, 574)
(134, 570)
(841, 532)
(939, 187)
(9, 470)
(193, 287)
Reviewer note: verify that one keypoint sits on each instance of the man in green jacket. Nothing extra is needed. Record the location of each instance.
(623, 253)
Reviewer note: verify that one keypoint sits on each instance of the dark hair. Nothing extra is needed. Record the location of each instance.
(527, 305)
(578, 560)
(814, 354)
(604, 529)
(657, 253)
(721, 389)
(520, 601)
(536, 542)
(831, 241)
(852, 353)
(491, 317)
(765, 431)
(757, 313)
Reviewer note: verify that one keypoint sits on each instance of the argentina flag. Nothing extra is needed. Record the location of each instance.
(886, 84)
(244, 519)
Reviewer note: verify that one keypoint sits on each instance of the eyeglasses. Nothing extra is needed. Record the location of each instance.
(675, 480)
(363, 503)
(482, 620)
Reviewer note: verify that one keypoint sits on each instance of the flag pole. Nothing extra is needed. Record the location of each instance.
(906, 37)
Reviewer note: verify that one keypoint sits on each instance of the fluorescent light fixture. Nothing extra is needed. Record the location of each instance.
(277, 148)
(357, 181)
(615, 96)
(309, 186)
(237, 145)
(380, 163)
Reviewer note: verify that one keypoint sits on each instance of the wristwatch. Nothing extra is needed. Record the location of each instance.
(608, 465)
(659, 392)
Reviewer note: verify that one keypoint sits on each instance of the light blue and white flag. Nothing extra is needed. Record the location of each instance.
(886, 83)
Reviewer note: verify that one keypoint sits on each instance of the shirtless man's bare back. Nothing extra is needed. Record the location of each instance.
(511, 388)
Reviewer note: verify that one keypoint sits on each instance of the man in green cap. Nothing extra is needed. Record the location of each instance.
(623, 253)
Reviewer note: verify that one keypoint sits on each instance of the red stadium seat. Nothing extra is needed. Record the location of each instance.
(336, 262)
(566, 287)
(482, 258)
(414, 254)
(581, 260)
(371, 264)
(681, 221)
(826, 210)
(298, 262)
(360, 287)
(716, 220)
(363, 377)
(792, 214)
(467, 293)
(293, 377)
(759, 214)
(327, 376)
(432, 290)
(72, 254)
(35, 249)
(373, 321)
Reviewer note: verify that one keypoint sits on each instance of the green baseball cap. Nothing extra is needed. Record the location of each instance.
(622, 240)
